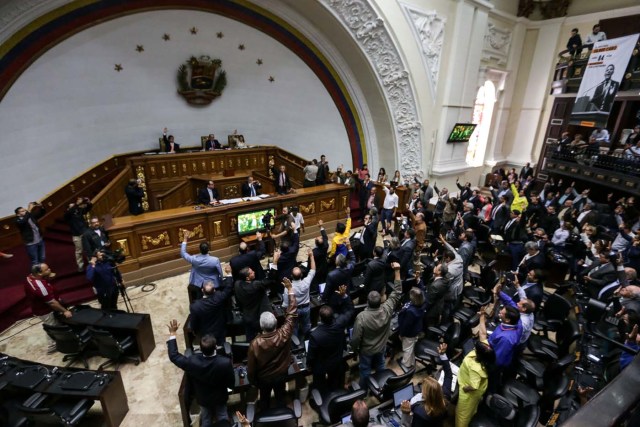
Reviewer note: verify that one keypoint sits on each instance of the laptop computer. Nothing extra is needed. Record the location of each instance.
(405, 393)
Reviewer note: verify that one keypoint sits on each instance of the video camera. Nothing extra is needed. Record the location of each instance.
(113, 257)
(267, 221)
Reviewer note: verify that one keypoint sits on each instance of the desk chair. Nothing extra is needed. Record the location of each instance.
(334, 405)
(382, 384)
(71, 342)
(9, 414)
(240, 352)
(42, 409)
(112, 348)
(275, 417)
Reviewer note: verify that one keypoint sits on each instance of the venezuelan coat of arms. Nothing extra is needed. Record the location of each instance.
(201, 80)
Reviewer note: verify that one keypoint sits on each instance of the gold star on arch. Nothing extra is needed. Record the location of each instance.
(241, 47)
(118, 67)
(194, 30)
(166, 37)
(139, 48)
(271, 79)
(259, 61)
(219, 34)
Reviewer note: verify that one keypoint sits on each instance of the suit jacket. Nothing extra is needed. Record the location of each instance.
(405, 253)
(249, 259)
(337, 277)
(374, 276)
(26, 232)
(320, 257)
(203, 267)
(501, 217)
(526, 172)
(287, 260)
(209, 146)
(246, 190)
(536, 262)
(203, 196)
(470, 220)
(602, 99)
(535, 293)
(91, 241)
(590, 218)
(210, 376)
(209, 314)
(370, 236)
(515, 232)
(326, 342)
(252, 299)
(134, 197)
(167, 145)
(280, 189)
(602, 275)
(436, 292)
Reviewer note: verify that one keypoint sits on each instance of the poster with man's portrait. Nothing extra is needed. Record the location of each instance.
(603, 74)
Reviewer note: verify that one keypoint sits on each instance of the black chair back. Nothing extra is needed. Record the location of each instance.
(239, 351)
(278, 417)
(68, 340)
(341, 405)
(452, 335)
(556, 308)
(566, 336)
(108, 345)
(398, 381)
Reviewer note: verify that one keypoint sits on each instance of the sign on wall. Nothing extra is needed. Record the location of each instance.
(604, 72)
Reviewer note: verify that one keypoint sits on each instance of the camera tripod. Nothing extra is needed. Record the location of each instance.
(124, 294)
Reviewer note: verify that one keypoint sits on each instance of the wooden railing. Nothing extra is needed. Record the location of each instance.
(111, 201)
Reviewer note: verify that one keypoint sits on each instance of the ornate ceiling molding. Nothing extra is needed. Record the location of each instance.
(18, 13)
(497, 42)
(428, 28)
(369, 31)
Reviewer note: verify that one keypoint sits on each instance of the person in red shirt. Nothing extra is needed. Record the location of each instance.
(43, 298)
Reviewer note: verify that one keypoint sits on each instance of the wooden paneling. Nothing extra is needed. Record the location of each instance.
(155, 237)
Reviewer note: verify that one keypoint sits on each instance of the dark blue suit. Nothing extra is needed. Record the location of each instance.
(209, 314)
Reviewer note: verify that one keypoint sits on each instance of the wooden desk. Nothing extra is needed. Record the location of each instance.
(136, 324)
(111, 393)
(155, 237)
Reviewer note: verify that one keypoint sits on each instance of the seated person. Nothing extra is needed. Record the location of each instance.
(251, 188)
(212, 143)
(170, 146)
(208, 195)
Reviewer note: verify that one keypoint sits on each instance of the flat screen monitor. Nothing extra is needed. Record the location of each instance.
(461, 132)
(252, 221)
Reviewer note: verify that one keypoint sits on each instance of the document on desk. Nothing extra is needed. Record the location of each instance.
(230, 201)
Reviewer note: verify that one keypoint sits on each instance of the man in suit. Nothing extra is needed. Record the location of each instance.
(533, 260)
(532, 287)
(326, 344)
(285, 258)
(341, 275)
(208, 195)
(323, 171)
(320, 257)
(27, 223)
(605, 92)
(204, 267)
(212, 143)
(96, 237)
(602, 274)
(251, 296)
(106, 280)
(427, 193)
(368, 237)
(209, 314)
(134, 194)
(526, 171)
(74, 216)
(374, 273)
(436, 291)
(515, 235)
(210, 374)
(405, 252)
(247, 258)
(587, 215)
(469, 218)
(251, 188)
(499, 215)
(170, 146)
(281, 180)
(365, 190)
(504, 190)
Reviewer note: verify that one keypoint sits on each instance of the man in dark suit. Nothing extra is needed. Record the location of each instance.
(526, 171)
(605, 92)
(208, 195)
(515, 234)
(436, 291)
(601, 275)
(251, 188)
(326, 344)
(341, 275)
(27, 223)
(96, 237)
(532, 287)
(251, 296)
(368, 237)
(587, 216)
(320, 257)
(365, 190)
(533, 260)
(209, 374)
(170, 146)
(281, 180)
(499, 215)
(134, 194)
(247, 258)
(285, 258)
(405, 253)
(374, 273)
(209, 314)
(212, 143)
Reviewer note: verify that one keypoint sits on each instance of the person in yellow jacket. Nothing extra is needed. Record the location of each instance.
(520, 201)
(342, 234)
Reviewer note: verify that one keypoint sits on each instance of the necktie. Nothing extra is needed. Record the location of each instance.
(282, 180)
(253, 191)
(210, 195)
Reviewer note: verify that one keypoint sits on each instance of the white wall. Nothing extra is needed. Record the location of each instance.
(71, 97)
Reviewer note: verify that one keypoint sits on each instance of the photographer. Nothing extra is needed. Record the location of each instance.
(74, 216)
(27, 223)
(106, 279)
